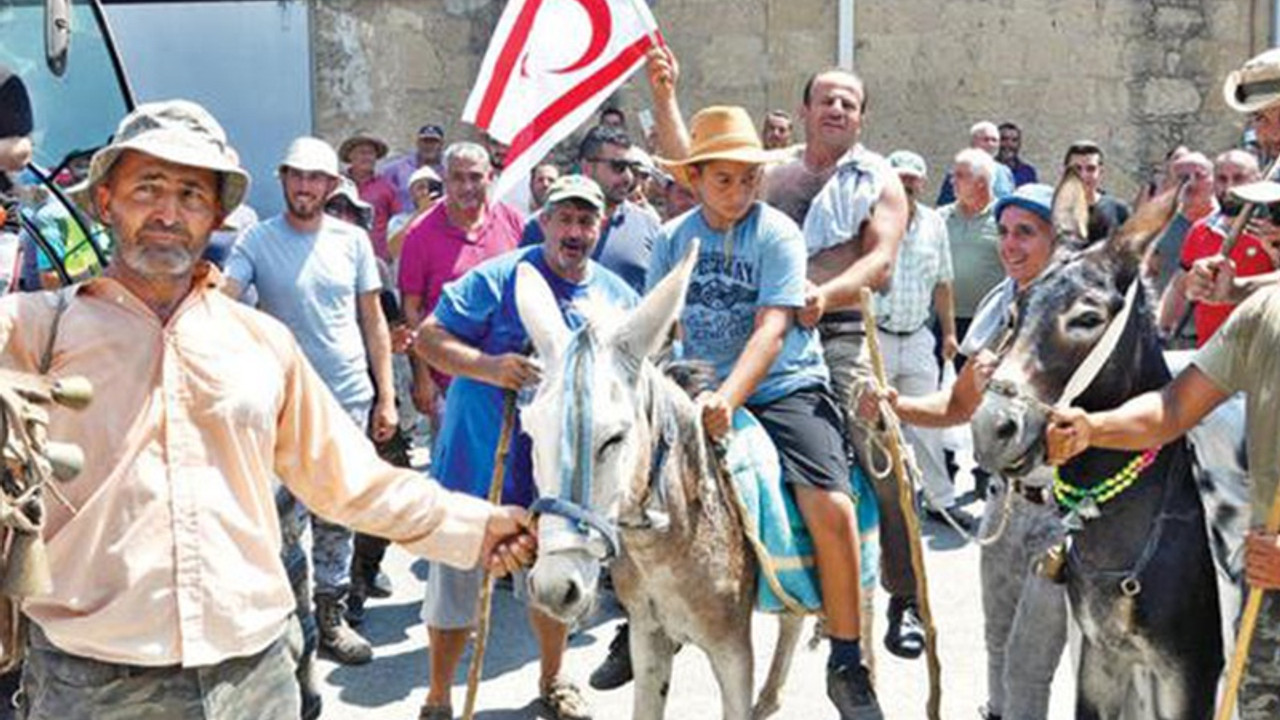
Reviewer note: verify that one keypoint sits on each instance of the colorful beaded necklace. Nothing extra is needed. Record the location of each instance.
(1073, 497)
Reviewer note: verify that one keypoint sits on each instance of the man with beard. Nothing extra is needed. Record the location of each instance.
(318, 275)
(169, 600)
(475, 334)
(626, 240)
(456, 235)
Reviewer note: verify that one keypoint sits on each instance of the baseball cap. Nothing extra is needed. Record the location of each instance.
(908, 163)
(1033, 197)
(177, 131)
(576, 187)
(310, 154)
(434, 132)
(426, 172)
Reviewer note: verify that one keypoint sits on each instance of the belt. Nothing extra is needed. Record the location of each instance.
(899, 333)
(1032, 493)
(842, 322)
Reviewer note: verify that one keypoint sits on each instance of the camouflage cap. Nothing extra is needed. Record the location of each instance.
(177, 131)
(576, 187)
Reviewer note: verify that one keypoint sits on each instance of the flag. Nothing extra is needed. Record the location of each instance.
(549, 65)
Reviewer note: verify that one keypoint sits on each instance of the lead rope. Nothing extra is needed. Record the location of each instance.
(878, 434)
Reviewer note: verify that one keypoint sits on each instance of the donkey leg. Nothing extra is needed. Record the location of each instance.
(789, 629)
(732, 662)
(651, 654)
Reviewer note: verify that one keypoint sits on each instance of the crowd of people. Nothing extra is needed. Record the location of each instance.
(386, 291)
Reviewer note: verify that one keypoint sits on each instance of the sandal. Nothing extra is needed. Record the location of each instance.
(435, 712)
(565, 701)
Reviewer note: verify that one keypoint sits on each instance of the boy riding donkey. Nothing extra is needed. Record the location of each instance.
(741, 316)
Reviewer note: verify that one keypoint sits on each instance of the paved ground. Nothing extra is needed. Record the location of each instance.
(393, 685)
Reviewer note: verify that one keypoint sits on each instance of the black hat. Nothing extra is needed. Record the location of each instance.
(15, 105)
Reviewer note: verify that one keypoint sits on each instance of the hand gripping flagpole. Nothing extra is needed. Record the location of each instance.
(907, 504)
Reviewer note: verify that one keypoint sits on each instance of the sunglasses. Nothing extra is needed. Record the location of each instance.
(618, 166)
(1232, 208)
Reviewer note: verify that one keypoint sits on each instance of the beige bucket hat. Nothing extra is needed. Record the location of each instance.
(178, 131)
(1255, 86)
(362, 137)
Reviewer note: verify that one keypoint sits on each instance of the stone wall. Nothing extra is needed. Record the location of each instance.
(1138, 77)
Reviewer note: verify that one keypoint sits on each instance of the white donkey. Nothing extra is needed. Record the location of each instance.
(618, 447)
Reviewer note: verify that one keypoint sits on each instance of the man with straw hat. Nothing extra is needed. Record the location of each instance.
(169, 599)
(1242, 356)
(361, 153)
(747, 288)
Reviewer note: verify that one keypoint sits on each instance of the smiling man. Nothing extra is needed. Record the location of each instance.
(475, 335)
(318, 275)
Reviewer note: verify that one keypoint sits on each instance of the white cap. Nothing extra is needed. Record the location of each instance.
(311, 155)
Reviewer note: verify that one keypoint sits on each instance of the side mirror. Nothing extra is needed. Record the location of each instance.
(57, 34)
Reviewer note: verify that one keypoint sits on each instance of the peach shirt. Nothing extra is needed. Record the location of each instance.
(173, 555)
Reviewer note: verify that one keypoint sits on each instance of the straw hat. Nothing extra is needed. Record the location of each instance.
(720, 133)
(178, 131)
(360, 138)
(1255, 86)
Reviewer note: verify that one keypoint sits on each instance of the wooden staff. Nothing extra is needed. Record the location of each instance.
(485, 604)
(906, 502)
(1248, 621)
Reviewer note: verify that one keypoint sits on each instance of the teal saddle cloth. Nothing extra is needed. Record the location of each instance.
(771, 507)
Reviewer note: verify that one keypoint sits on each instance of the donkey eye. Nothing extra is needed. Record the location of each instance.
(1086, 321)
(612, 443)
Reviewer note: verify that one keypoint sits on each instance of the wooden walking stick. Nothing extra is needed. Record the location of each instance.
(1248, 621)
(485, 604)
(906, 502)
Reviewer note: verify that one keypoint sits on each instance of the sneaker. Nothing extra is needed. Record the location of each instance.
(615, 671)
(337, 639)
(905, 635)
(849, 688)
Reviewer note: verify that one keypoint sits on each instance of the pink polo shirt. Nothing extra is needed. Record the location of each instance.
(436, 252)
(386, 203)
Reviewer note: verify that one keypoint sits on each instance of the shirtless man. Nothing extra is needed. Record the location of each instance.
(849, 248)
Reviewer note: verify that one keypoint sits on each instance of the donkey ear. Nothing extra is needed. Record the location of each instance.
(540, 313)
(649, 324)
(1145, 225)
(1070, 210)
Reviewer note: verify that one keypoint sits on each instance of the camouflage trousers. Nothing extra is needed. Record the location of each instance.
(60, 686)
(331, 545)
(1260, 689)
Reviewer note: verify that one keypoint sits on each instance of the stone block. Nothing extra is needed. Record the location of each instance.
(1169, 96)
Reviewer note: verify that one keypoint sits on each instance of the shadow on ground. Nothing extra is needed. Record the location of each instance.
(394, 677)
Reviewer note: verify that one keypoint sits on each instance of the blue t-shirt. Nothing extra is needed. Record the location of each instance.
(479, 309)
(311, 283)
(760, 264)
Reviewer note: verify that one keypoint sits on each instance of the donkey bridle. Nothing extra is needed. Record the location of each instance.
(573, 502)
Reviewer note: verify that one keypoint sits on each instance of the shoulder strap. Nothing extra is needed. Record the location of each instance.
(64, 299)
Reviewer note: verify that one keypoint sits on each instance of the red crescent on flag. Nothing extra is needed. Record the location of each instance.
(601, 28)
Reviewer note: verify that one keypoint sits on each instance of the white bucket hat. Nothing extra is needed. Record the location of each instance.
(310, 154)
(178, 131)
(1255, 86)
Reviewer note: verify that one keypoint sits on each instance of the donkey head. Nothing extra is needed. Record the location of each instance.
(590, 431)
(1060, 318)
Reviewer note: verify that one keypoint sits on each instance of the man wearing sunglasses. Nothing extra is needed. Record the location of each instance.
(626, 239)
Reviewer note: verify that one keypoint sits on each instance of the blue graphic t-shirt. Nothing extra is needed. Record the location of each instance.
(759, 262)
(479, 308)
